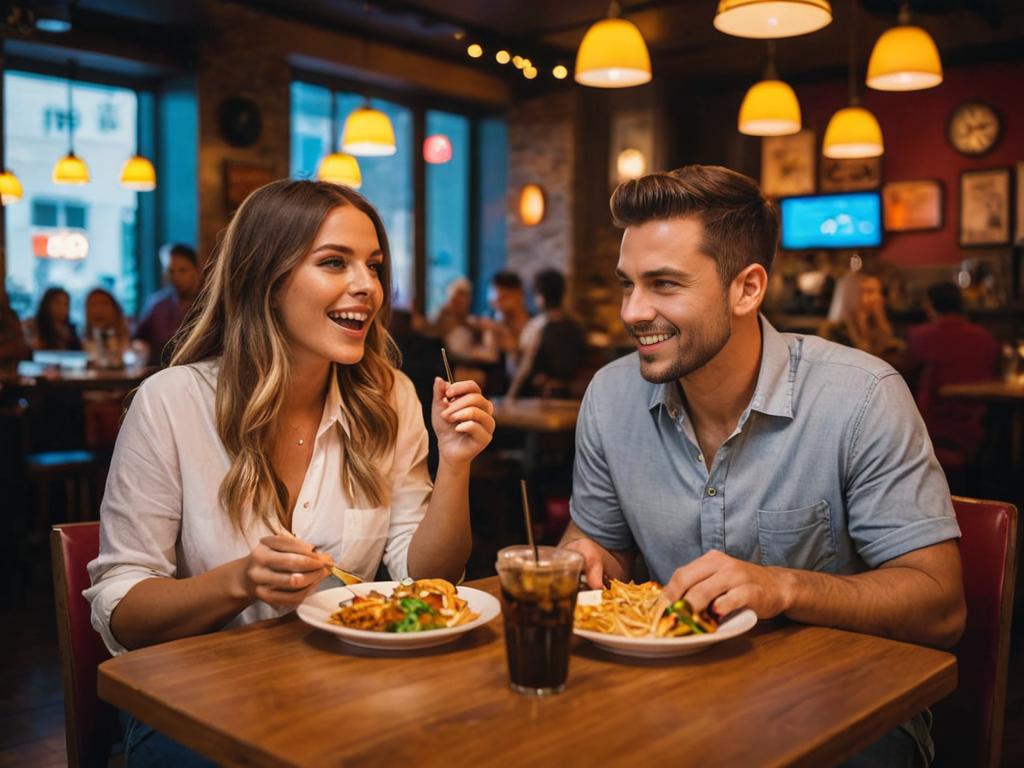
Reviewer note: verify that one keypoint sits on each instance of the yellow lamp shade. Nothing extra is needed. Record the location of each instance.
(770, 108)
(531, 205)
(340, 168)
(368, 133)
(768, 19)
(905, 58)
(70, 170)
(10, 188)
(853, 132)
(138, 174)
(613, 54)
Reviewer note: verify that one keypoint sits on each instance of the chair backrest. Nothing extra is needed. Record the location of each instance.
(969, 723)
(91, 724)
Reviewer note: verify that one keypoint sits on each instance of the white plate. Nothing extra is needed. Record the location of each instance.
(661, 647)
(318, 607)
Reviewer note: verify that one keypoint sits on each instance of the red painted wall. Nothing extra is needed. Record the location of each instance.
(914, 131)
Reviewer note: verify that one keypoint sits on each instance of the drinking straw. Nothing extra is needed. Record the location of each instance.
(529, 523)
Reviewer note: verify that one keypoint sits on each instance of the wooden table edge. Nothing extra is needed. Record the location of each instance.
(186, 730)
(834, 747)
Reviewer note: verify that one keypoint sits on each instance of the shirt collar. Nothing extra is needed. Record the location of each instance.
(333, 411)
(773, 394)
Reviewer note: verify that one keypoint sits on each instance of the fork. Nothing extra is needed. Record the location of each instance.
(344, 576)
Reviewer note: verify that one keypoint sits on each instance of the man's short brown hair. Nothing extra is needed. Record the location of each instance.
(740, 224)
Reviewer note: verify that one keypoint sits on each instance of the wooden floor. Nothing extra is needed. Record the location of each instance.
(32, 707)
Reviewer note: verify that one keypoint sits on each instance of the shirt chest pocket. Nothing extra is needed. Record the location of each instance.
(797, 538)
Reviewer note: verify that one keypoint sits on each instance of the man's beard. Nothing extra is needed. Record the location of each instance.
(692, 353)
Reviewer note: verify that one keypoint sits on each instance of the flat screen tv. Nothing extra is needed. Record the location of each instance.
(847, 220)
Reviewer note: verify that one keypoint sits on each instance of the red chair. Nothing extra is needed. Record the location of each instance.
(968, 726)
(90, 724)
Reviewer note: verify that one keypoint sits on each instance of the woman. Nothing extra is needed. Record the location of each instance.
(857, 318)
(282, 439)
(106, 334)
(51, 327)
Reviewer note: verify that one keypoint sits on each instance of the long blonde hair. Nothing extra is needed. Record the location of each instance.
(233, 319)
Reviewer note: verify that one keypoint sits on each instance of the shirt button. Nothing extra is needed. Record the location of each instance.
(305, 505)
(712, 491)
(700, 457)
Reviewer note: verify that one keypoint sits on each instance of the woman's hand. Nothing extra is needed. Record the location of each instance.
(462, 420)
(282, 570)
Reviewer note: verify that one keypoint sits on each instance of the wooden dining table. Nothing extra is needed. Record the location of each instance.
(281, 693)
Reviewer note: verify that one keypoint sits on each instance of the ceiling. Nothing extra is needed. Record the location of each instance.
(679, 33)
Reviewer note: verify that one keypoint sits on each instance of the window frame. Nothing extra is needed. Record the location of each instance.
(419, 103)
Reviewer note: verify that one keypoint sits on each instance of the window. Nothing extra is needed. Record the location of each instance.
(387, 181)
(39, 228)
(448, 209)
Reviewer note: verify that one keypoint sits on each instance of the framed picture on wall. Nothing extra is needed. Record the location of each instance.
(242, 177)
(985, 207)
(909, 206)
(787, 164)
(632, 146)
(850, 175)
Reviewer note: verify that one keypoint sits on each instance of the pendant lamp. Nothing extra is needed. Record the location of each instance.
(905, 58)
(71, 169)
(138, 174)
(772, 18)
(339, 167)
(10, 188)
(368, 133)
(613, 54)
(770, 107)
(853, 132)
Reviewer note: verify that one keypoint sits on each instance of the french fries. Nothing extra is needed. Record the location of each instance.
(634, 610)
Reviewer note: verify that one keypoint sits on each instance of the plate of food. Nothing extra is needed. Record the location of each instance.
(632, 620)
(399, 615)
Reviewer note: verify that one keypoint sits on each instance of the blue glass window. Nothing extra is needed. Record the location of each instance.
(35, 137)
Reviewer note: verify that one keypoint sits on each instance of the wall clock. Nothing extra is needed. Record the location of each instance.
(974, 128)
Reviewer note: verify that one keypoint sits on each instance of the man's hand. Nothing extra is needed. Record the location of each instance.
(598, 562)
(726, 584)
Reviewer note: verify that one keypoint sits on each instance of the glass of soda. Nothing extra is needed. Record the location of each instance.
(538, 602)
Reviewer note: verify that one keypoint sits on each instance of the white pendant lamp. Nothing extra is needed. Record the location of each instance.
(768, 19)
(770, 107)
(905, 58)
(613, 54)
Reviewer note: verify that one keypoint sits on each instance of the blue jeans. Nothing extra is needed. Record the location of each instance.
(145, 747)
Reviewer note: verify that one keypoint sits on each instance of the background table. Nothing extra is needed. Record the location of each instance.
(536, 414)
(280, 693)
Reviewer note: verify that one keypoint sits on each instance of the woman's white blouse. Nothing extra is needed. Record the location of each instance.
(161, 517)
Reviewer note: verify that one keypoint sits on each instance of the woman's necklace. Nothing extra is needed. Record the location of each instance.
(300, 440)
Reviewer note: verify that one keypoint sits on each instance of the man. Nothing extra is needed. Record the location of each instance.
(554, 344)
(751, 468)
(166, 309)
(950, 349)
